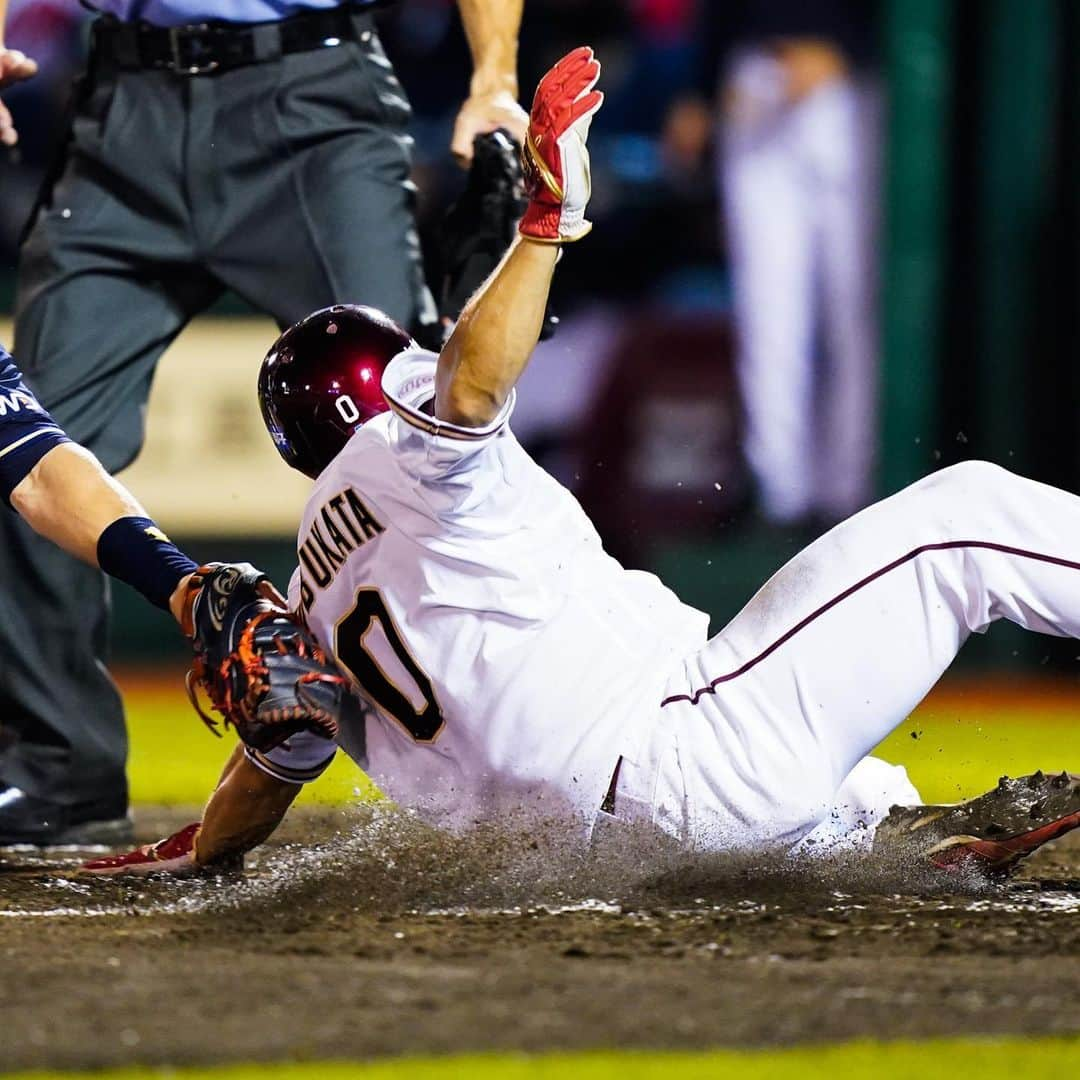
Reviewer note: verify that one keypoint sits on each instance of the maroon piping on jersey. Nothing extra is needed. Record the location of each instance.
(695, 697)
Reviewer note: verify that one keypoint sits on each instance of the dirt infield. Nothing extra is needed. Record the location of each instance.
(386, 939)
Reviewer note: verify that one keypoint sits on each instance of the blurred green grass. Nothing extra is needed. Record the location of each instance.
(939, 1059)
(961, 739)
(956, 745)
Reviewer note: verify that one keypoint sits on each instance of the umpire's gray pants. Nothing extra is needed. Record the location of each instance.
(286, 181)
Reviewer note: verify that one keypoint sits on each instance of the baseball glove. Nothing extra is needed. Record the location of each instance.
(258, 663)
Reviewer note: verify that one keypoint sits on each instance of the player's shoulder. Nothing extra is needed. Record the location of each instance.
(16, 399)
(9, 372)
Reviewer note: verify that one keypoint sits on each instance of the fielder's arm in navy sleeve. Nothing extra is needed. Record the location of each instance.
(27, 431)
(63, 493)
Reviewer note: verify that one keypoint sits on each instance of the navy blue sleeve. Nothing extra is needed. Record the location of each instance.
(27, 431)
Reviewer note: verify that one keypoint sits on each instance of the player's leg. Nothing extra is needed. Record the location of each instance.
(769, 229)
(317, 204)
(843, 140)
(862, 802)
(841, 644)
(102, 290)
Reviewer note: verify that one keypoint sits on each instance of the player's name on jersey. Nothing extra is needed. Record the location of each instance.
(341, 525)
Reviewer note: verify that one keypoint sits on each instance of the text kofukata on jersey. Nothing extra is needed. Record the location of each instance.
(347, 524)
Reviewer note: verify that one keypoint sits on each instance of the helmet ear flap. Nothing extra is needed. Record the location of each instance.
(322, 380)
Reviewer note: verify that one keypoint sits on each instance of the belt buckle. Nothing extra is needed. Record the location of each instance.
(191, 64)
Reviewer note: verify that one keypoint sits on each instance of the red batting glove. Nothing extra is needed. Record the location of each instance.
(555, 159)
(173, 855)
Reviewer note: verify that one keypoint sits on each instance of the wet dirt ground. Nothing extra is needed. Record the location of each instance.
(356, 934)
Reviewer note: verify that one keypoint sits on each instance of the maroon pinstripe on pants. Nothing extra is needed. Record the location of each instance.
(695, 697)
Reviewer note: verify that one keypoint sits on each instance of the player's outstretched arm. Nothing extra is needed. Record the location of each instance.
(68, 497)
(495, 337)
(245, 808)
(500, 325)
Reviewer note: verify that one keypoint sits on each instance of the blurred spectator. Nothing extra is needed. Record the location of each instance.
(792, 82)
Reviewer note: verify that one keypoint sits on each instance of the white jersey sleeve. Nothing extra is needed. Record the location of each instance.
(302, 758)
(450, 463)
(292, 594)
(27, 431)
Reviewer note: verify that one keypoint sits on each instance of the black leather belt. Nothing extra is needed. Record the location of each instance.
(204, 48)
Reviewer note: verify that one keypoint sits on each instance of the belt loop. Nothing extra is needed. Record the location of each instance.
(266, 39)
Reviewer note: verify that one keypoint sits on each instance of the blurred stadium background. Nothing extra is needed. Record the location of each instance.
(979, 288)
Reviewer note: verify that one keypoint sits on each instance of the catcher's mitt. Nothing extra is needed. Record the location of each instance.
(259, 664)
(480, 226)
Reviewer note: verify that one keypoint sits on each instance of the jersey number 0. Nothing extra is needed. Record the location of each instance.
(350, 647)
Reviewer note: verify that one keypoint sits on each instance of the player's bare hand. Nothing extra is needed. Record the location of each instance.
(14, 67)
(484, 112)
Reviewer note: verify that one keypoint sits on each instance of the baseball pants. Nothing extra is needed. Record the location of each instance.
(799, 191)
(285, 181)
(762, 732)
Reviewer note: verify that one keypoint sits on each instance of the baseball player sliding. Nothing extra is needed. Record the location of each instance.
(509, 666)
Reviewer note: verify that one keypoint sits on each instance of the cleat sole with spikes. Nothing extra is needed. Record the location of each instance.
(992, 832)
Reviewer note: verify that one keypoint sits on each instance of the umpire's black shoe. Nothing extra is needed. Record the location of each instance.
(26, 819)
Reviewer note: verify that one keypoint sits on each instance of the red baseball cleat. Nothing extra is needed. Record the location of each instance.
(992, 832)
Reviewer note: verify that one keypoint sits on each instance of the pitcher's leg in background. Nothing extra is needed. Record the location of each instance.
(770, 245)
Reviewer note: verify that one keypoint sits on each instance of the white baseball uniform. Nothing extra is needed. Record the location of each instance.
(512, 663)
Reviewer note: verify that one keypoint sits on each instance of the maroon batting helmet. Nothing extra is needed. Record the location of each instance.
(322, 380)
